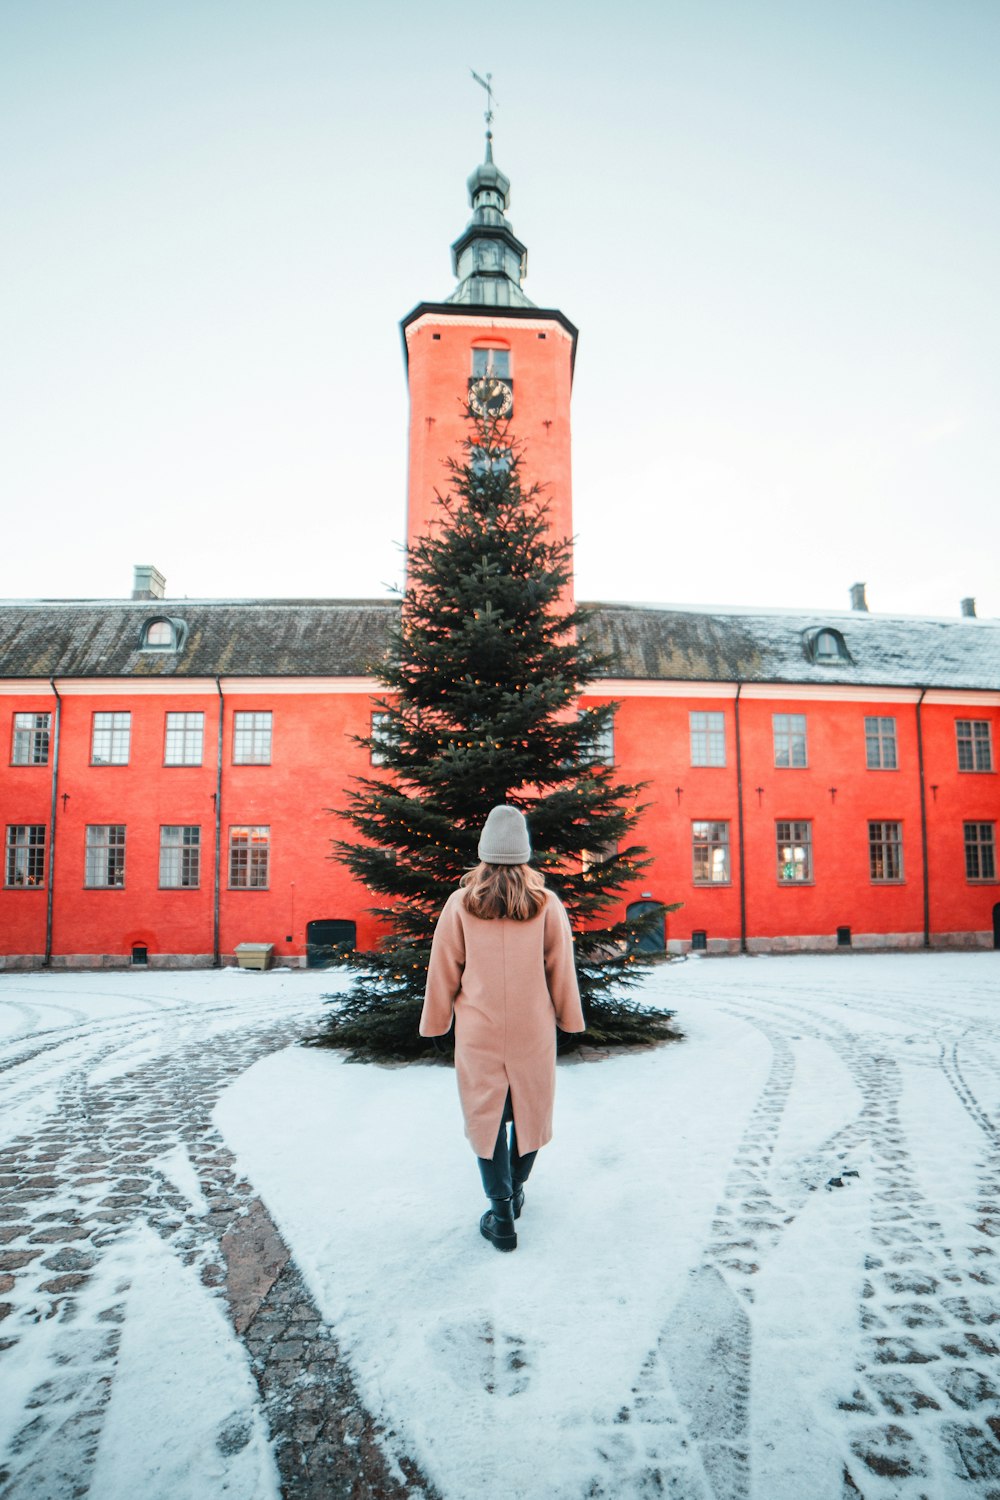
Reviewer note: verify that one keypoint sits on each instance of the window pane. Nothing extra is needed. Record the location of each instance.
(975, 748)
(111, 739)
(380, 738)
(885, 851)
(794, 851)
(31, 740)
(600, 751)
(710, 852)
(980, 851)
(248, 857)
(491, 362)
(708, 738)
(105, 855)
(789, 739)
(184, 739)
(180, 857)
(252, 739)
(880, 743)
(25, 862)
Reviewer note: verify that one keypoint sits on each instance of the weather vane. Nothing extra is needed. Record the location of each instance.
(487, 84)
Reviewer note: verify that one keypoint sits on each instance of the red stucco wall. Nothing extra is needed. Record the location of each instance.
(440, 363)
(313, 760)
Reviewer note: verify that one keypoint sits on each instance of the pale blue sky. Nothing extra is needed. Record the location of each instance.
(775, 224)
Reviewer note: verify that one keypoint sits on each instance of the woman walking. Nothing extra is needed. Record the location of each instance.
(502, 964)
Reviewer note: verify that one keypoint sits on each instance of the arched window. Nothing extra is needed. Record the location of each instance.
(826, 647)
(162, 635)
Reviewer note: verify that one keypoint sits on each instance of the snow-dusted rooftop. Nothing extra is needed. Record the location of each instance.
(347, 637)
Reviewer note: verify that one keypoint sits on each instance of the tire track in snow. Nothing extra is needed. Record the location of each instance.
(921, 1418)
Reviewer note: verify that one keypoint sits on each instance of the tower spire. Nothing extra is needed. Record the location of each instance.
(488, 258)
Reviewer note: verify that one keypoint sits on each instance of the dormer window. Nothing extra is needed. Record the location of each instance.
(162, 635)
(826, 647)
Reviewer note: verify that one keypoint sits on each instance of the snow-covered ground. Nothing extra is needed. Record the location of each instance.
(759, 1264)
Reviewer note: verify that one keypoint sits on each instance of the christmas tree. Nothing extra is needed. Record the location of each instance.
(482, 681)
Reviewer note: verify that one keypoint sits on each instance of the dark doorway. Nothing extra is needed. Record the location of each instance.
(326, 937)
(654, 937)
(699, 940)
(996, 925)
(843, 937)
(140, 955)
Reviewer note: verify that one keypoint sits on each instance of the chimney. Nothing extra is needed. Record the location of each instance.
(858, 600)
(968, 608)
(147, 582)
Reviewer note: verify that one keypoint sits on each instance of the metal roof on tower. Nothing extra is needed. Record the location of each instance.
(488, 258)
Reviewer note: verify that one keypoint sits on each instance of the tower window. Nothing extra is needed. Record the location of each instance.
(494, 362)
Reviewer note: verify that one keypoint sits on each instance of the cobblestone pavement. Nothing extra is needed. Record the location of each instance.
(916, 1417)
(87, 1174)
(920, 1420)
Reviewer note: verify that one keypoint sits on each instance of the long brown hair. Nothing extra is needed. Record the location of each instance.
(493, 891)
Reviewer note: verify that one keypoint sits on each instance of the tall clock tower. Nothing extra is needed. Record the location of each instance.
(489, 342)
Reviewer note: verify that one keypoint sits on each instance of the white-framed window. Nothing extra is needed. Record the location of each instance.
(600, 750)
(180, 856)
(249, 848)
(795, 856)
(885, 851)
(980, 851)
(184, 741)
(379, 738)
(105, 866)
(30, 744)
(789, 739)
(975, 745)
(710, 852)
(159, 635)
(495, 362)
(252, 737)
(880, 743)
(592, 859)
(708, 738)
(111, 736)
(24, 867)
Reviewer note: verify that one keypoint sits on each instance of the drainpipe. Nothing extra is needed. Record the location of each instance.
(216, 955)
(52, 826)
(923, 821)
(739, 812)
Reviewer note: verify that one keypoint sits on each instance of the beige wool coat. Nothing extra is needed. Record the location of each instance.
(509, 985)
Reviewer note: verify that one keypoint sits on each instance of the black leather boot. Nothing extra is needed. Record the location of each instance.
(517, 1202)
(497, 1224)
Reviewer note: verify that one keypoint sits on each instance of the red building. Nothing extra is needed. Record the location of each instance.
(816, 779)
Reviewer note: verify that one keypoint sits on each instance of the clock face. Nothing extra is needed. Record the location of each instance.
(490, 397)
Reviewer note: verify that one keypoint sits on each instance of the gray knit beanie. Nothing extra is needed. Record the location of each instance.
(504, 839)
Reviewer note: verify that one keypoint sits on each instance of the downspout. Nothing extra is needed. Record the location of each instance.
(923, 821)
(52, 826)
(739, 814)
(216, 955)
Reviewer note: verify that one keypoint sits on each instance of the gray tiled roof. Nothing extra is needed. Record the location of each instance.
(347, 638)
(229, 638)
(758, 645)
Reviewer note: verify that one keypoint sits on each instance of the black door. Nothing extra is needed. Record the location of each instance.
(653, 939)
(325, 937)
(996, 925)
